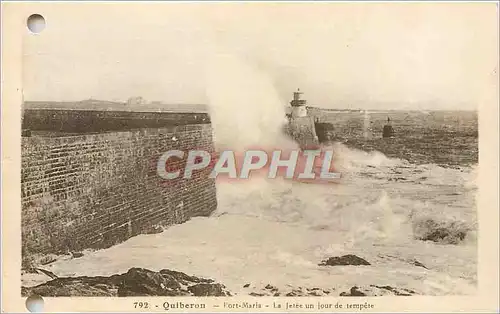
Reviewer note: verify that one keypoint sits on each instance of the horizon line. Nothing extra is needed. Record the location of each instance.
(151, 105)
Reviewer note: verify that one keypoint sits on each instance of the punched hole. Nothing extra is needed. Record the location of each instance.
(36, 23)
(34, 304)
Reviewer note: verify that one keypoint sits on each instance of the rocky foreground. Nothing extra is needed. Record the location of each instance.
(144, 282)
(135, 282)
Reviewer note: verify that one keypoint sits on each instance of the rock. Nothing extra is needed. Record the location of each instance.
(443, 235)
(271, 288)
(344, 260)
(102, 286)
(142, 282)
(80, 286)
(288, 290)
(208, 290)
(29, 270)
(443, 232)
(317, 293)
(76, 254)
(374, 290)
(25, 291)
(246, 285)
(153, 229)
(135, 282)
(47, 259)
(184, 278)
(396, 291)
(255, 294)
(354, 292)
(417, 263)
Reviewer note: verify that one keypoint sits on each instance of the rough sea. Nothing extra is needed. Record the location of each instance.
(406, 205)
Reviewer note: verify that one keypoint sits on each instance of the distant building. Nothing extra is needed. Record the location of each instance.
(135, 101)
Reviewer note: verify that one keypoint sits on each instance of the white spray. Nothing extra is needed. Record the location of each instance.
(366, 125)
(244, 107)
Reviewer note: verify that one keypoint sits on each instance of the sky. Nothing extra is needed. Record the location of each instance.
(341, 55)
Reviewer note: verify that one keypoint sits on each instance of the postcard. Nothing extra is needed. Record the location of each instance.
(267, 157)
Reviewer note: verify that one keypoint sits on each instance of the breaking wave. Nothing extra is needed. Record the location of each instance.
(378, 199)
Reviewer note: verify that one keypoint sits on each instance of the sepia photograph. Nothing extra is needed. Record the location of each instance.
(257, 150)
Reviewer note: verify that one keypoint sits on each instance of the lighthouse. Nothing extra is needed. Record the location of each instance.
(298, 105)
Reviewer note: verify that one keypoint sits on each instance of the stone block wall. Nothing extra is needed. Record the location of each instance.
(96, 190)
(302, 130)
